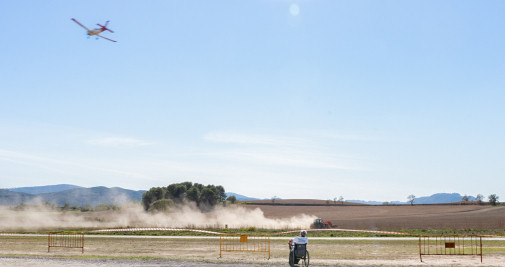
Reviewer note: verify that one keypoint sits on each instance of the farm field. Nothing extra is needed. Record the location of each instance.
(161, 250)
(392, 217)
(294, 214)
(150, 251)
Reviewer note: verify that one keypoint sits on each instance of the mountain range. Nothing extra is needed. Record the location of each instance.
(69, 194)
(241, 197)
(44, 189)
(438, 198)
(81, 196)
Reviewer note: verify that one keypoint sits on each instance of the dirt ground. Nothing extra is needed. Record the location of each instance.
(397, 217)
(149, 251)
(360, 217)
(165, 251)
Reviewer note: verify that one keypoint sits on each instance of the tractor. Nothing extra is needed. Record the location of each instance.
(320, 224)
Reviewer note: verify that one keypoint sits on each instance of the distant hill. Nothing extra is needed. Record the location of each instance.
(9, 198)
(439, 198)
(365, 202)
(93, 196)
(377, 202)
(76, 196)
(43, 189)
(240, 197)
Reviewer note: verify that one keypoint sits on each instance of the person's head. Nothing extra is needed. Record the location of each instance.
(303, 233)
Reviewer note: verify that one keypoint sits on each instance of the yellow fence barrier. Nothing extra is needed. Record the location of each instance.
(244, 243)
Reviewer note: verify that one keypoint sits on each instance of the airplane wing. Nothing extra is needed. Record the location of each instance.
(106, 38)
(80, 24)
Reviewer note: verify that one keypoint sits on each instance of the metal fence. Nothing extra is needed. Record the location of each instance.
(450, 245)
(65, 240)
(244, 243)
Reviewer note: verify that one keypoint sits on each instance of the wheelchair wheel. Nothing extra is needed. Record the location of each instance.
(291, 258)
(306, 260)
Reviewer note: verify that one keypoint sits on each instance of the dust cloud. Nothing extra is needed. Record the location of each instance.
(44, 217)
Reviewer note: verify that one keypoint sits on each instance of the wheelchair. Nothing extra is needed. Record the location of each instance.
(298, 253)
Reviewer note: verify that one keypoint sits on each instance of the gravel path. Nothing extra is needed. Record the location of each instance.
(57, 262)
(46, 262)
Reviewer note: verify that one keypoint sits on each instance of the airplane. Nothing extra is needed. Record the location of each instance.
(97, 31)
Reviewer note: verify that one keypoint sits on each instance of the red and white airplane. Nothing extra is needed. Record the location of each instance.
(97, 31)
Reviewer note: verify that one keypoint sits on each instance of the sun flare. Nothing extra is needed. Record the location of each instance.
(294, 9)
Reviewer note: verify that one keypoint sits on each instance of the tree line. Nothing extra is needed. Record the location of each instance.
(492, 199)
(165, 198)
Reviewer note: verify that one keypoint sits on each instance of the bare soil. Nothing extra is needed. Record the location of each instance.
(392, 217)
(148, 251)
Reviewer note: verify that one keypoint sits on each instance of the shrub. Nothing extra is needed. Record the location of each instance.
(162, 205)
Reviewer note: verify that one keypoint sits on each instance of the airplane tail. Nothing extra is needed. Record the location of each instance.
(104, 28)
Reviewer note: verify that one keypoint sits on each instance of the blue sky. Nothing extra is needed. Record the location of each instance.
(372, 100)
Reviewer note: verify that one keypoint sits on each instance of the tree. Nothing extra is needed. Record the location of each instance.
(341, 200)
(232, 199)
(493, 199)
(411, 199)
(193, 194)
(479, 198)
(208, 197)
(155, 193)
(162, 205)
(188, 185)
(176, 191)
(199, 186)
(464, 198)
(221, 195)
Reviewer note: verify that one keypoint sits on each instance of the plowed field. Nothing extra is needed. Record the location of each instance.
(391, 217)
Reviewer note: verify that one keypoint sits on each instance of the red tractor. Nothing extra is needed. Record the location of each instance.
(320, 224)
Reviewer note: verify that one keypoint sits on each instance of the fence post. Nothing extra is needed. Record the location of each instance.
(480, 237)
(420, 255)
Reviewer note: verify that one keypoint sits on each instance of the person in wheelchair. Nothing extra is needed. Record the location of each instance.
(298, 249)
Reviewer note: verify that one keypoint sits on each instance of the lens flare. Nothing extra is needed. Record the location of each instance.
(294, 9)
